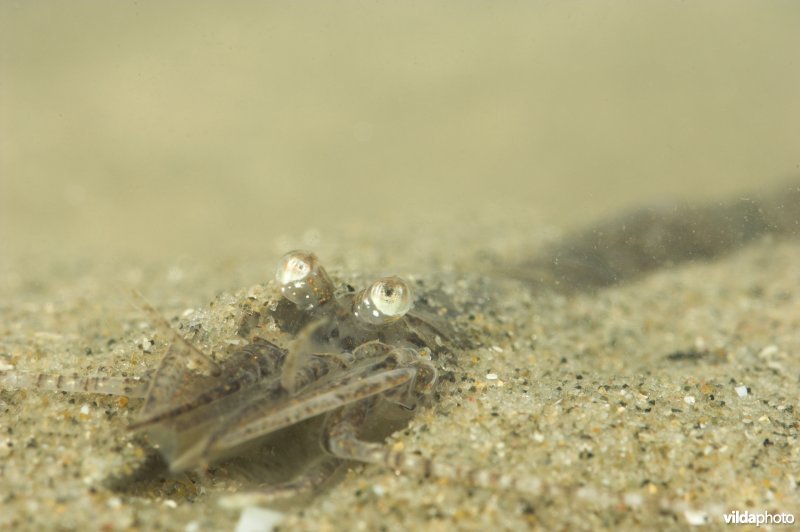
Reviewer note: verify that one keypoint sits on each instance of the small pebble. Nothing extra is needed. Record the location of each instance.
(741, 391)
(700, 343)
(768, 351)
(255, 519)
(689, 399)
(696, 517)
(114, 502)
(491, 376)
(633, 500)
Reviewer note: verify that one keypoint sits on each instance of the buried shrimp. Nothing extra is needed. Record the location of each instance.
(338, 358)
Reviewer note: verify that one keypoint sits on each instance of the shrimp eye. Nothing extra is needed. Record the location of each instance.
(303, 280)
(388, 299)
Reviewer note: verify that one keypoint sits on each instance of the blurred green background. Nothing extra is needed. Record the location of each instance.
(202, 128)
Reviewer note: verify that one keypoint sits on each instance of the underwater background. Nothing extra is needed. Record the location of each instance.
(197, 129)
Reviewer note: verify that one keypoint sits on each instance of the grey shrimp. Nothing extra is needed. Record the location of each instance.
(349, 351)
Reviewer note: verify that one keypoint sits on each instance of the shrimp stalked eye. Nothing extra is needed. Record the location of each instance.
(388, 299)
(303, 280)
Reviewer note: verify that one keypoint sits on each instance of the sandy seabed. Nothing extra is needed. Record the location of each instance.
(665, 401)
